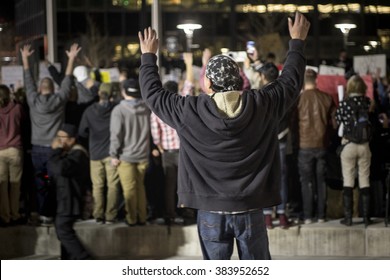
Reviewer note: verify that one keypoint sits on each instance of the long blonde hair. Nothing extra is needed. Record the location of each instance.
(357, 85)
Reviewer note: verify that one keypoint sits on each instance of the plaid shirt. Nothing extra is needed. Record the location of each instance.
(164, 135)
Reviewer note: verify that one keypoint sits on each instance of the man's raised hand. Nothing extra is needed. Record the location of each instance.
(148, 40)
(26, 51)
(73, 51)
(300, 27)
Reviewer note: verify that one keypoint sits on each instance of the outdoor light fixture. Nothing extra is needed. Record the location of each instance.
(345, 28)
(374, 44)
(188, 29)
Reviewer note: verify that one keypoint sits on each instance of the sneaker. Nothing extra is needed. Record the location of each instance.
(159, 221)
(268, 221)
(130, 225)
(46, 221)
(321, 221)
(283, 221)
(178, 221)
(99, 221)
(110, 222)
(308, 221)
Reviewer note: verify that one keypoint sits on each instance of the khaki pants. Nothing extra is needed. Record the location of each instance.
(102, 171)
(11, 169)
(356, 158)
(132, 177)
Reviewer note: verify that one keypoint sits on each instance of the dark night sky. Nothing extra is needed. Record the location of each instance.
(7, 11)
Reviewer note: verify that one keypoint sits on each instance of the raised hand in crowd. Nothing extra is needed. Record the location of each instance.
(72, 54)
(26, 52)
(148, 40)
(206, 55)
(300, 28)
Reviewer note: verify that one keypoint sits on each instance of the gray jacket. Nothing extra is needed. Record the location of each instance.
(130, 131)
(46, 111)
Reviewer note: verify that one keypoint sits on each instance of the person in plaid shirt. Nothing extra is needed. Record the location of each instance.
(168, 143)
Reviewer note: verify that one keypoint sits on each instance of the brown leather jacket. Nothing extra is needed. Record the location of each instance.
(315, 109)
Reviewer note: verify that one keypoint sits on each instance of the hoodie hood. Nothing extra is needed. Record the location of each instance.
(49, 103)
(229, 103)
(8, 108)
(102, 111)
(136, 106)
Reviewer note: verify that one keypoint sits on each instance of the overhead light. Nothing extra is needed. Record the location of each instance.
(189, 28)
(367, 48)
(345, 27)
(374, 44)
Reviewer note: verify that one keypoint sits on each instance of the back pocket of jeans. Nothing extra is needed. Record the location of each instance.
(210, 226)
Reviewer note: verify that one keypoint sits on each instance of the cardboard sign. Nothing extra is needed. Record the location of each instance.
(330, 85)
(370, 64)
(331, 70)
(12, 76)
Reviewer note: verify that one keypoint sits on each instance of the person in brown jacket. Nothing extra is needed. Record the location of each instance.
(315, 111)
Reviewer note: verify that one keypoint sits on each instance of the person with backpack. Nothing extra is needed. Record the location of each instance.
(353, 113)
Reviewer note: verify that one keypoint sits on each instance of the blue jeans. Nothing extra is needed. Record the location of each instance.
(312, 169)
(218, 231)
(281, 208)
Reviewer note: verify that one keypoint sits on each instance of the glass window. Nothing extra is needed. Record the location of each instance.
(115, 24)
(76, 4)
(62, 4)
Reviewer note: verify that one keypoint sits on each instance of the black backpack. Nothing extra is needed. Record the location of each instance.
(359, 129)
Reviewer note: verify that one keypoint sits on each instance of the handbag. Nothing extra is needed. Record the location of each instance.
(340, 149)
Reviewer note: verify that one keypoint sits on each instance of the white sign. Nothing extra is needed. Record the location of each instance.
(12, 76)
(331, 70)
(314, 68)
(109, 75)
(370, 64)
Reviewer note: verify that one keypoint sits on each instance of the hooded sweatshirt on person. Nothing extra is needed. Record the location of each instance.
(47, 112)
(228, 161)
(130, 131)
(11, 117)
(95, 125)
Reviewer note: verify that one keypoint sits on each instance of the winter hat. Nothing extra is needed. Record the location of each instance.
(223, 73)
(81, 73)
(105, 87)
(70, 129)
(131, 88)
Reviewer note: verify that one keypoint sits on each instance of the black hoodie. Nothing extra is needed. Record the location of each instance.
(227, 164)
(95, 124)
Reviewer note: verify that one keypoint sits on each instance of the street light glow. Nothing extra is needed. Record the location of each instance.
(345, 27)
(189, 27)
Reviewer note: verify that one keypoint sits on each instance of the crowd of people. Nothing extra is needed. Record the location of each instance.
(85, 152)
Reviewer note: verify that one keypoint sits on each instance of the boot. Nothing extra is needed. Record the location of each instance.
(283, 221)
(365, 192)
(268, 221)
(347, 203)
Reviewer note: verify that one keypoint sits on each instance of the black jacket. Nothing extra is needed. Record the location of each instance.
(95, 125)
(70, 172)
(227, 164)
